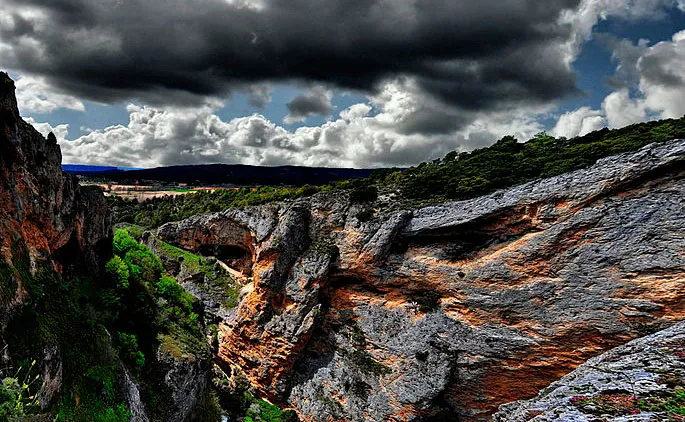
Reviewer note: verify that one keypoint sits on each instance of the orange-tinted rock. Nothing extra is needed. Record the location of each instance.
(45, 216)
(648, 370)
(452, 310)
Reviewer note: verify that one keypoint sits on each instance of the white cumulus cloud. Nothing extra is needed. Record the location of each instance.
(579, 122)
(654, 79)
(662, 77)
(155, 136)
(61, 131)
(35, 95)
(622, 110)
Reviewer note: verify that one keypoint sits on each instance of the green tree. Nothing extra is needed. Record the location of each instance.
(118, 269)
(130, 352)
(143, 264)
(123, 242)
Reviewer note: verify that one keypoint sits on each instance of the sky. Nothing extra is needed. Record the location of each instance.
(335, 83)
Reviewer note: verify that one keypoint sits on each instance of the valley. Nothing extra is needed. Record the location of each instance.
(512, 283)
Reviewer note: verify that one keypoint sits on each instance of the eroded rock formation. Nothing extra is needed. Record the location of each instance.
(48, 223)
(449, 311)
(634, 380)
(44, 212)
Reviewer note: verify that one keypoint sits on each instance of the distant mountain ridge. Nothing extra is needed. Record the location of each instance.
(221, 174)
(85, 168)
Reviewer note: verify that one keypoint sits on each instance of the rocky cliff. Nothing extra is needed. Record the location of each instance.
(49, 227)
(42, 208)
(643, 380)
(45, 215)
(58, 308)
(369, 312)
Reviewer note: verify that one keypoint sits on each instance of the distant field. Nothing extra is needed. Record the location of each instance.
(145, 192)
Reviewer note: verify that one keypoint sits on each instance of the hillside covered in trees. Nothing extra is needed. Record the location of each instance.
(464, 175)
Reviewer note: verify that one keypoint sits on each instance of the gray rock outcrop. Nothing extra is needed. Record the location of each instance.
(452, 310)
(643, 380)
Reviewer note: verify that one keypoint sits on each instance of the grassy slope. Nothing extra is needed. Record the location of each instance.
(215, 281)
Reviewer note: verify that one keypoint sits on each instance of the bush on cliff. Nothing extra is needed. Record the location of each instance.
(60, 317)
(150, 313)
(154, 301)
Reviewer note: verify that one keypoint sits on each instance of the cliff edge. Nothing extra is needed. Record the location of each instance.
(361, 311)
(45, 215)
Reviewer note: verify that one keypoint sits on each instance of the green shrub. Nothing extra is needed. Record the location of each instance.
(118, 269)
(306, 190)
(19, 393)
(129, 351)
(169, 287)
(10, 391)
(104, 376)
(123, 242)
(258, 410)
(143, 264)
(366, 193)
(94, 411)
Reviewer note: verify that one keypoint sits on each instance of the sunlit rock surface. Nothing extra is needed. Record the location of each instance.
(629, 383)
(449, 311)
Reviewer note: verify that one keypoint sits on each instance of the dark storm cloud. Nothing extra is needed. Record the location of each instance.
(431, 122)
(315, 102)
(476, 55)
(655, 68)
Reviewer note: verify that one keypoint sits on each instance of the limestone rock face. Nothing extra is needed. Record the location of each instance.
(640, 374)
(449, 311)
(47, 221)
(185, 380)
(42, 209)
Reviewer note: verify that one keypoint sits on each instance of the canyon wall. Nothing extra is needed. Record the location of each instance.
(642, 380)
(371, 312)
(45, 215)
(49, 227)
(55, 237)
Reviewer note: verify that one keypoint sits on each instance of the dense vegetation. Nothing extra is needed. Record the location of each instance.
(509, 162)
(62, 312)
(147, 307)
(456, 176)
(127, 316)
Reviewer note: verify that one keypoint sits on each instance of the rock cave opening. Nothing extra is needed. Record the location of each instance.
(234, 256)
